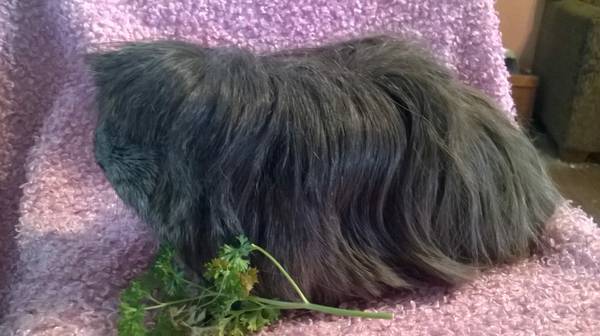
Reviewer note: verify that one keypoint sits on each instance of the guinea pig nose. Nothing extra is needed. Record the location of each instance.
(101, 165)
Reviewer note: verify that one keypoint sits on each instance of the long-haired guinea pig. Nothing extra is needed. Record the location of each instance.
(362, 166)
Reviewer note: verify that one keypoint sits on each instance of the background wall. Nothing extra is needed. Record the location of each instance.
(519, 24)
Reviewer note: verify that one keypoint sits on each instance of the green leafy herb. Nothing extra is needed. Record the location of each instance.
(163, 302)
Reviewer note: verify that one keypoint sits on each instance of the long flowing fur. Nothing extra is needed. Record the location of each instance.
(362, 165)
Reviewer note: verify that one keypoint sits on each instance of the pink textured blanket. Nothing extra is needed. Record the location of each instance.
(67, 244)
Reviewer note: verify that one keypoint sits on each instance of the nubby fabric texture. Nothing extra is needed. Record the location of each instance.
(76, 245)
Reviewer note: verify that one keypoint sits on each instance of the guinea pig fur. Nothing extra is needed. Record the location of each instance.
(362, 166)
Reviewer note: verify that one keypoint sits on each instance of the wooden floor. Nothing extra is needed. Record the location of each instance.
(578, 182)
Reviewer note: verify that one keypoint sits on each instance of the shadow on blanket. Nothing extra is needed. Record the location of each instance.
(29, 85)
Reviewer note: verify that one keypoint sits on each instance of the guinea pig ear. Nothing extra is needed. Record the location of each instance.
(143, 83)
(131, 58)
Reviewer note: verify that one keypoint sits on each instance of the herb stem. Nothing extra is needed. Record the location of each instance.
(151, 298)
(325, 309)
(170, 303)
(283, 271)
(197, 286)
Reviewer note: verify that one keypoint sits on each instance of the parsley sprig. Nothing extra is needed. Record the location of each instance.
(163, 302)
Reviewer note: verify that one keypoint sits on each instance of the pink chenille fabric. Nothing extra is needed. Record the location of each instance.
(68, 245)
